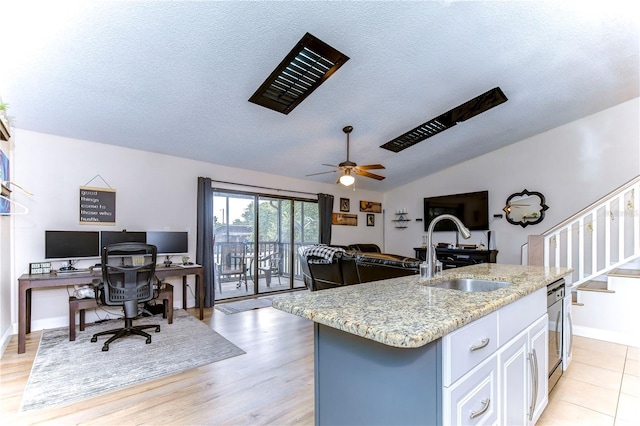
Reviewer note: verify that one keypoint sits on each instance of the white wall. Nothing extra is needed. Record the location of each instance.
(154, 192)
(572, 165)
(5, 262)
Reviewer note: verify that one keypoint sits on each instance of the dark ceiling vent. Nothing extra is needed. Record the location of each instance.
(461, 113)
(305, 68)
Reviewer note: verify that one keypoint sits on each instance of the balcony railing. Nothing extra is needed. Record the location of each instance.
(287, 267)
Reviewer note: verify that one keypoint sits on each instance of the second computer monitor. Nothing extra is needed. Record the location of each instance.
(114, 237)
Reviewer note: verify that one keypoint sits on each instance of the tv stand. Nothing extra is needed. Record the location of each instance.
(457, 258)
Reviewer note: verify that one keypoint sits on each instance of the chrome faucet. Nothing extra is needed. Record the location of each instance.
(431, 250)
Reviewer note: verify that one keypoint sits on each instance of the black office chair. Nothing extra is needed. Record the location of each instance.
(126, 286)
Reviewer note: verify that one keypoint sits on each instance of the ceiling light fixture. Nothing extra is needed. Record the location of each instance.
(346, 179)
(306, 67)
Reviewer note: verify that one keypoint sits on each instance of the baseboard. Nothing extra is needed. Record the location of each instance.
(607, 335)
(6, 337)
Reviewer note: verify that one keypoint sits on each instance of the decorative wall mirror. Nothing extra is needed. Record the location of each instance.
(525, 208)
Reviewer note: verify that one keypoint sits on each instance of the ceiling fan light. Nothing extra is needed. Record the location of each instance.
(346, 179)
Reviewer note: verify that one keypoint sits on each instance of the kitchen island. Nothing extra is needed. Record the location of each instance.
(381, 349)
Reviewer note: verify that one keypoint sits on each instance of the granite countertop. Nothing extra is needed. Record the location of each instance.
(406, 312)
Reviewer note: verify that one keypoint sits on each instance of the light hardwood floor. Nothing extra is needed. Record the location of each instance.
(272, 384)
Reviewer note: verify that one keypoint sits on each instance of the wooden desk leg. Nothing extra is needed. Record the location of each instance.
(168, 310)
(28, 310)
(184, 292)
(199, 291)
(22, 316)
(200, 287)
(72, 322)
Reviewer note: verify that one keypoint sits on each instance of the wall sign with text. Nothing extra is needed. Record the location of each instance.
(97, 206)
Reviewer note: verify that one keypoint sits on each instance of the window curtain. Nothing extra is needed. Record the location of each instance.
(325, 205)
(204, 241)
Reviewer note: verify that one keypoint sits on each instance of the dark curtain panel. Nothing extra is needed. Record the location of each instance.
(204, 242)
(325, 205)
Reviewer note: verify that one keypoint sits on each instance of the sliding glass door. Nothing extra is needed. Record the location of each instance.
(256, 242)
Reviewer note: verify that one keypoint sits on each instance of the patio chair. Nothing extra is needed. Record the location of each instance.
(270, 265)
(233, 262)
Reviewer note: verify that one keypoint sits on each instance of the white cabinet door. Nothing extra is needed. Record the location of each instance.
(568, 333)
(522, 363)
(513, 362)
(473, 400)
(508, 385)
(538, 348)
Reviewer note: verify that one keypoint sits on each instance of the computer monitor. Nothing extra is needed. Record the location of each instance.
(169, 242)
(114, 237)
(71, 244)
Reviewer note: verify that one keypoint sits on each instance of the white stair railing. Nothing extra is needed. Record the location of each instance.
(597, 239)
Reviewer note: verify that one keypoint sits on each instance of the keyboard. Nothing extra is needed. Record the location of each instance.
(72, 271)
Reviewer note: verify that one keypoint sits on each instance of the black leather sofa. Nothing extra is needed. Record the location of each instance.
(336, 266)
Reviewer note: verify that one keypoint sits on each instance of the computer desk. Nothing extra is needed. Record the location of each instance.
(28, 282)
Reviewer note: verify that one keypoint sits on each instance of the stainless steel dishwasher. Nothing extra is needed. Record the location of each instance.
(555, 296)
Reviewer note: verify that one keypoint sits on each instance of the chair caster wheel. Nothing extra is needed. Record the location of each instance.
(105, 348)
(148, 340)
(158, 329)
(94, 339)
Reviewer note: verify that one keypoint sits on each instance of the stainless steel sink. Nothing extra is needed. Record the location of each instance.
(471, 285)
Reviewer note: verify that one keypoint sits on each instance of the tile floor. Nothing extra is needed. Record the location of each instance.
(600, 387)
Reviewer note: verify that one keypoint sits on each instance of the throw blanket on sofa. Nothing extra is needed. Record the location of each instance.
(323, 251)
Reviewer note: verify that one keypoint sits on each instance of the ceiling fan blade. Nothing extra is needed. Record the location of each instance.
(331, 165)
(367, 174)
(463, 112)
(323, 173)
(371, 166)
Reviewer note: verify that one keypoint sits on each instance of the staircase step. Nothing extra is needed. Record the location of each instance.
(627, 273)
(600, 286)
(574, 299)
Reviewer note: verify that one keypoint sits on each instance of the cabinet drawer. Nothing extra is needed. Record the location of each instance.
(473, 400)
(468, 346)
(518, 315)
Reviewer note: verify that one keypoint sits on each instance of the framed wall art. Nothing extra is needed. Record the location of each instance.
(370, 207)
(344, 219)
(344, 204)
(4, 176)
(371, 219)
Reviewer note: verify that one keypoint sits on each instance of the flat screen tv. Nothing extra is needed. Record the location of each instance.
(71, 244)
(169, 242)
(471, 208)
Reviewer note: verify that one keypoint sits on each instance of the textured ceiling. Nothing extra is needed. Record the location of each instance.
(175, 77)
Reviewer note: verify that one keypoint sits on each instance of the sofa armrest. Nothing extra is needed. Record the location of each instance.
(365, 248)
(380, 266)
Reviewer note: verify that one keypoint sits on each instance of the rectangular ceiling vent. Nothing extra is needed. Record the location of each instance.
(305, 68)
(461, 113)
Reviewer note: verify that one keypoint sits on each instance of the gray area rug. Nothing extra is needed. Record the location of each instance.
(244, 305)
(64, 372)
